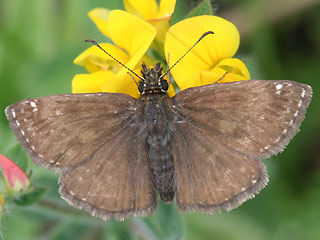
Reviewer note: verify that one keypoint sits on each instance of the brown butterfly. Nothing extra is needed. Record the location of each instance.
(204, 145)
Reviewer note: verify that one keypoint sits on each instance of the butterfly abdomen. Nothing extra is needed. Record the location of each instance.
(159, 131)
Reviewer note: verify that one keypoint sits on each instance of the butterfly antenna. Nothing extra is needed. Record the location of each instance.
(221, 77)
(97, 44)
(203, 35)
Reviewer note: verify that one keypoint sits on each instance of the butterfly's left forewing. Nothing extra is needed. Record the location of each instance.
(92, 139)
(222, 133)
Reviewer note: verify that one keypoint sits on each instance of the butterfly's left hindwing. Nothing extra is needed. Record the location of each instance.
(92, 140)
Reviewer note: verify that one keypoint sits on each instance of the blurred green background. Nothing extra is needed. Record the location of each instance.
(280, 40)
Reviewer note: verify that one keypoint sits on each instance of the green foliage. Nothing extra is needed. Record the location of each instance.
(30, 197)
(203, 8)
(19, 156)
(38, 42)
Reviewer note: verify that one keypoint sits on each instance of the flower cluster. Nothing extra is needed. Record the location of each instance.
(145, 25)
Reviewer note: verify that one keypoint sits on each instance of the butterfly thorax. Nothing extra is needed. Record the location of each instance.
(155, 104)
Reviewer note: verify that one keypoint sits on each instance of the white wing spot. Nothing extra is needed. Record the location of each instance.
(33, 148)
(285, 131)
(40, 155)
(22, 132)
(267, 147)
(278, 139)
(13, 113)
(288, 110)
(279, 86)
(242, 189)
(303, 93)
(33, 104)
(296, 113)
(253, 181)
(300, 103)
(34, 109)
(291, 122)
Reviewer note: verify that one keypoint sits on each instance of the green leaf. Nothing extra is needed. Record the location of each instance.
(30, 197)
(19, 156)
(204, 8)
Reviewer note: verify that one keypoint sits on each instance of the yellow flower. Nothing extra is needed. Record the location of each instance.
(211, 58)
(132, 37)
(150, 11)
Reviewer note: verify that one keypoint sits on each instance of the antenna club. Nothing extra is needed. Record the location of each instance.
(90, 40)
(205, 34)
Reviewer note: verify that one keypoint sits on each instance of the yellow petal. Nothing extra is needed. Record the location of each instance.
(166, 9)
(209, 77)
(88, 83)
(171, 91)
(121, 84)
(131, 34)
(162, 28)
(100, 17)
(213, 48)
(234, 66)
(145, 9)
(94, 59)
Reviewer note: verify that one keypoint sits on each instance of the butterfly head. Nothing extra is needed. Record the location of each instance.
(153, 80)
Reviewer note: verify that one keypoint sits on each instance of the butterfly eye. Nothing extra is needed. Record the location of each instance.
(164, 85)
(141, 87)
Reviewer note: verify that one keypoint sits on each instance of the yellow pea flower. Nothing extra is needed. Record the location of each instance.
(148, 10)
(211, 58)
(132, 37)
